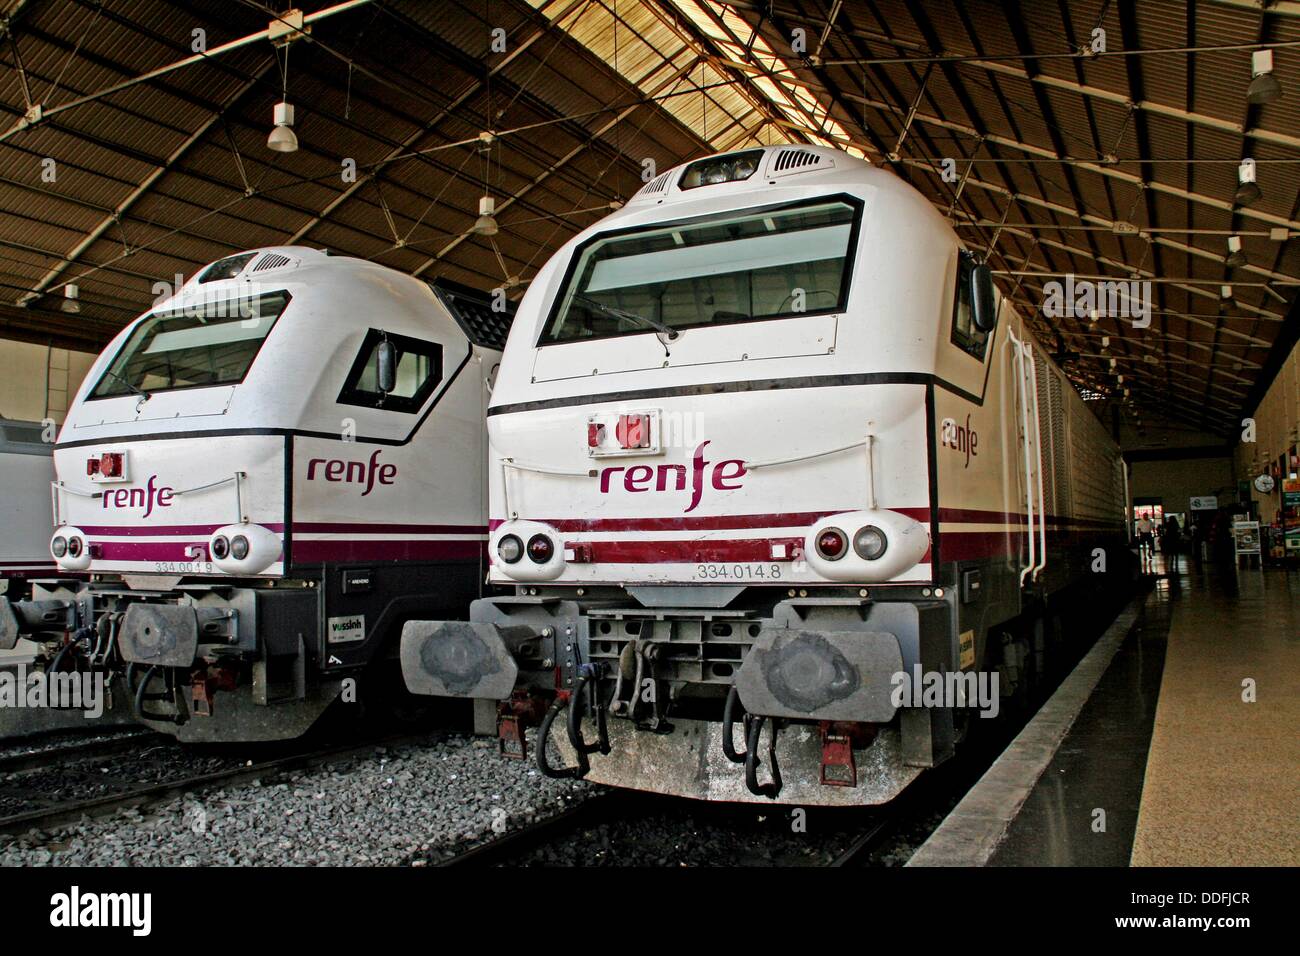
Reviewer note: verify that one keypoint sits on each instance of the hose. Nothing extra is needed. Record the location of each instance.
(586, 674)
(58, 658)
(769, 790)
(728, 725)
(543, 735)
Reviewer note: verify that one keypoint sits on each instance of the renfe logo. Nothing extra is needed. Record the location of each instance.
(146, 497)
(355, 472)
(961, 437)
(637, 478)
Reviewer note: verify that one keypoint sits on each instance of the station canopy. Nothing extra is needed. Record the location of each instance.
(1109, 140)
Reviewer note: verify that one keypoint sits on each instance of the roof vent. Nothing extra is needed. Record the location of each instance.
(658, 185)
(272, 260)
(473, 311)
(792, 159)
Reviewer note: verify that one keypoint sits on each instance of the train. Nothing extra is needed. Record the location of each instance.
(26, 470)
(767, 446)
(260, 480)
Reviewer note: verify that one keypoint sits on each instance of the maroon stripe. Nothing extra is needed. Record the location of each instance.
(365, 528)
(308, 552)
(204, 530)
(163, 530)
(145, 551)
(658, 552)
(701, 522)
(956, 546)
(786, 520)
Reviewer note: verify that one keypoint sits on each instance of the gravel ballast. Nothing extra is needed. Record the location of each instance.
(407, 803)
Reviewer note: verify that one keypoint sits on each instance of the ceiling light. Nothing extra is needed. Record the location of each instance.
(1225, 293)
(1247, 188)
(1264, 87)
(282, 138)
(70, 298)
(1236, 255)
(486, 224)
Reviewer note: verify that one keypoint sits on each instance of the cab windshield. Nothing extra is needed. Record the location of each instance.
(732, 267)
(205, 344)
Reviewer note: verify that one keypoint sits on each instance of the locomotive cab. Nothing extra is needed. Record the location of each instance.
(252, 493)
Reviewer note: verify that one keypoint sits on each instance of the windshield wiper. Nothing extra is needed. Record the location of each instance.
(135, 388)
(629, 316)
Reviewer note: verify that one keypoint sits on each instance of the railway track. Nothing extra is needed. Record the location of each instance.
(53, 813)
(39, 757)
(515, 844)
(589, 824)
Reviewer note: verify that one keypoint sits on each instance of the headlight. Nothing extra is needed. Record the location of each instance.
(870, 542)
(70, 549)
(244, 548)
(832, 544)
(510, 549)
(540, 548)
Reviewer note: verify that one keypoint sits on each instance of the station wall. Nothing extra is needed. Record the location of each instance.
(1177, 481)
(38, 382)
(1277, 430)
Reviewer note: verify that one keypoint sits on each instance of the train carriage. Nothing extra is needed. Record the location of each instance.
(262, 478)
(762, 441)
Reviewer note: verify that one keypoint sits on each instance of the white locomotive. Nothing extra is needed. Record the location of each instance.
(260, 480)
(768, 438)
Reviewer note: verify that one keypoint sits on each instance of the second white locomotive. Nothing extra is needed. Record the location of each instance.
(764, 440)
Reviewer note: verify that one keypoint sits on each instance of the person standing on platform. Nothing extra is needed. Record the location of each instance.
(1173, 541)
(1146, 537)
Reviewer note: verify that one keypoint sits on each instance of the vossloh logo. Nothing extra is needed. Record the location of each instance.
(346, 630)
(77, 909)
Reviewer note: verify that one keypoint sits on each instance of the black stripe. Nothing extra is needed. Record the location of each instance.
(288, 502)
(932, 469)
(749, 385)
(294, 432)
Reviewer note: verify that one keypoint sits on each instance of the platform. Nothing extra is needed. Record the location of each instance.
(1152, 730)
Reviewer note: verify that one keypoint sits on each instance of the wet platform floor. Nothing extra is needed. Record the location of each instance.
(1167, 763)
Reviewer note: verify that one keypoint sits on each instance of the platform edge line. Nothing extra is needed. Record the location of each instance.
(971, 833)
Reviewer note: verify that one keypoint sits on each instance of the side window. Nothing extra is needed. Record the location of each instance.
(418, 372)
(964, 333)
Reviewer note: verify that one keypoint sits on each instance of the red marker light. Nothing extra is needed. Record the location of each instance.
(633, 431)
(595, 434)
(110, 464)
(832, 544)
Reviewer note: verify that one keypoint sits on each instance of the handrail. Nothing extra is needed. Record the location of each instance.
(1024, 420)
(508, 463)
(57, 486)
(1038, 450)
